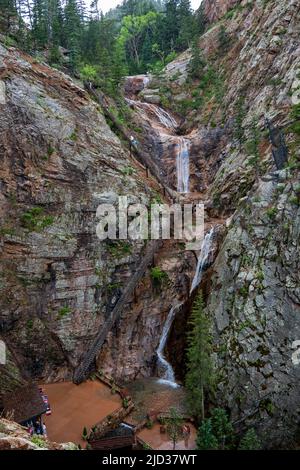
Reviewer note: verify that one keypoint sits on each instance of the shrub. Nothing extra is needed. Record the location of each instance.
(84, 433)
(38, 441)
(250, 441)
(64, 311)
(149, 424)
(127, 171)
(88, 73)
(118, 249)
(125, 403)
(158, 276)
(35, 220)
(224, 40)
(272, 212)
(295, 116)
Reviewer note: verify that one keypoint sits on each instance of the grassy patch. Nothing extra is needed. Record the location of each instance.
(119, 249)
(158, 276)
(38, 441)
(62, 312)
(36, 220)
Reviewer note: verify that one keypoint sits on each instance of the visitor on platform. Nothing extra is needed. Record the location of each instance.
(186, 431)
(44, 430)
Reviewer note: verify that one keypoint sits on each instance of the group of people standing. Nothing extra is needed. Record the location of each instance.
(37, 427)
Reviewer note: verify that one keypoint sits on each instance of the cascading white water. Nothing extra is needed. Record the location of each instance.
(166, 127)
(203, 258)
(183, 165)
(164, 117)
(147, 109)
(168, 375)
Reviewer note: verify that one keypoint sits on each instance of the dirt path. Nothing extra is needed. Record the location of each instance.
(75, 406)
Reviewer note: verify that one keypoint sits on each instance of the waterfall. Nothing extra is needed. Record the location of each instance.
(164, 117)
(203, 258)
(168, 373)
(183, 165)
(147, 109)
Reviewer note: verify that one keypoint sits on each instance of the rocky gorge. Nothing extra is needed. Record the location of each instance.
(227, 139)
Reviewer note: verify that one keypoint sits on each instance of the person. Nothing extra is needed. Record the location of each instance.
(132, 143)
(30, 429)
(44, 430)
(186, 431)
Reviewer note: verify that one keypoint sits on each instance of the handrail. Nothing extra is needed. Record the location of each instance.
(143, 156)
(81, 372)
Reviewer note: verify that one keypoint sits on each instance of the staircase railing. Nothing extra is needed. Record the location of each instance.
(143, 157)
(81, 372)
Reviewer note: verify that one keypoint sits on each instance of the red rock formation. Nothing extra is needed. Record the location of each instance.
(216, 9)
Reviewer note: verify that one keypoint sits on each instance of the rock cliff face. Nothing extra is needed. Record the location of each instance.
(253, 294)
(59, 161)
(15, 437)
(213, 11)
(238, 119)
(255, 304)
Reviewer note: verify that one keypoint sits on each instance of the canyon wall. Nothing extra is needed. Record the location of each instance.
(59, 161)
(253, 293)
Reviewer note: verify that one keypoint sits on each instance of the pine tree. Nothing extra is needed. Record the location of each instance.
(240, 113)
(171, 25)
(200, 374)
(224, 40)
(197, 62)
(39, 23)
(222, 428)
(206, 440)
(200, 21)
(73, 31)
(8, 15)
(174, 426)
(250, 441)
(187, 24)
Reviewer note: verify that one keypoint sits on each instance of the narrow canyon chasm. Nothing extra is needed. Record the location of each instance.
(71, 304)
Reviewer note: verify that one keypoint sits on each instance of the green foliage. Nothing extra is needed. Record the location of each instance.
(119, 248)
(88, 73)
(200, 371)
(252, 145)
(38, 441)
(84, 433)
(197, 62)
(222, 428)
(125, 403)
(63, 311)
(295, 116)
(146, 446)
(272, 212)
(158, 276)
(36, 220)
(174, 426)
(128, 171)
(206, 439)
(223, 40)
(149, 424)
(217, 433)
(250, 441)
(240, 113)
(137, 36)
